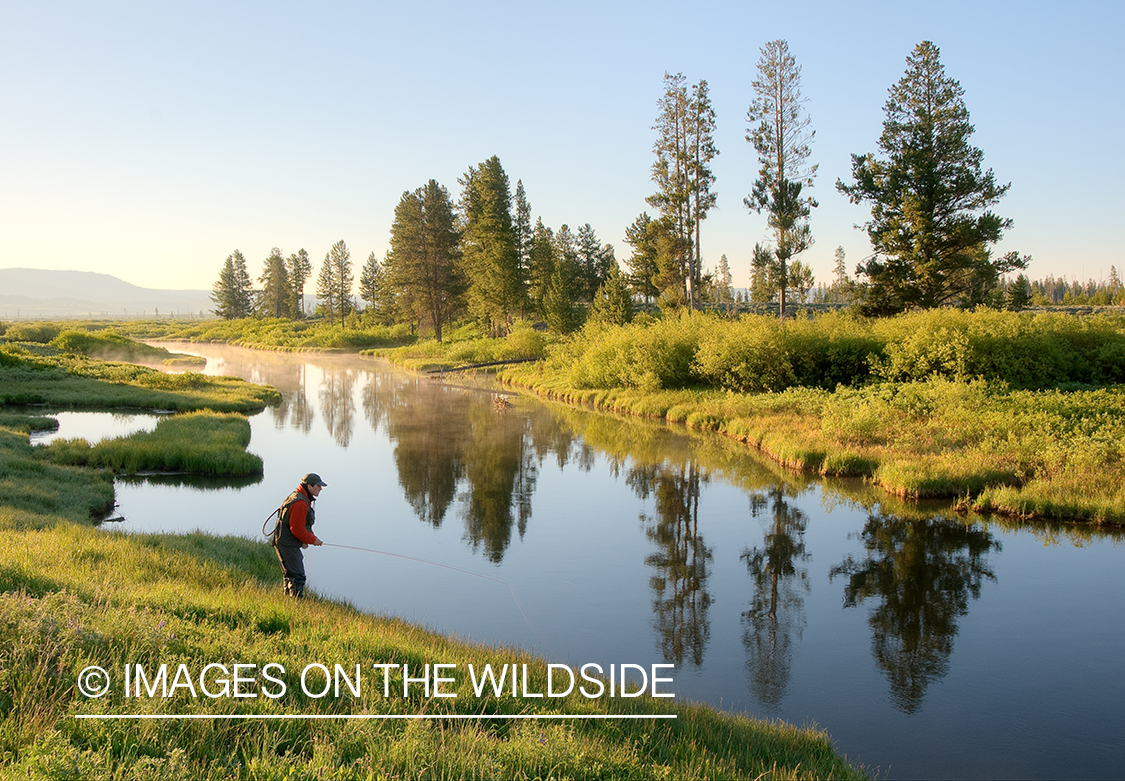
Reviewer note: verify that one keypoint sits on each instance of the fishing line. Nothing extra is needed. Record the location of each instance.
(455, 569)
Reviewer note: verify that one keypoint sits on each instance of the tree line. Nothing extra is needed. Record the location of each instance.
(931, 227)
(480, 257)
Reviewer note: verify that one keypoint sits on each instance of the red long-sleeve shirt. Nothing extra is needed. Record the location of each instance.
(298, 513)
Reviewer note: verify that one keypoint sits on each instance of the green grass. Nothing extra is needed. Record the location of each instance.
(203, 443)
(1031, 454)
(93, 597)
(32, 373)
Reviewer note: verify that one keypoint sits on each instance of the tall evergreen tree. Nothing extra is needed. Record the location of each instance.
(702, 149)
(275, 295)
(642, 237)
(342, 277)
(369, 278)
(327, 290)
(931, 224)
(541, 267)
(488, 245)
(612, 304)
(523, 235)
(723, 280)
(763, 273)
(231, 293)
(684, 148)
(300, 269)
(594, 263)
(780, 134)
(423, 264)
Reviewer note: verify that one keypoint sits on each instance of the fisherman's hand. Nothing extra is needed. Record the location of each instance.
(304, 545)
(318, 542)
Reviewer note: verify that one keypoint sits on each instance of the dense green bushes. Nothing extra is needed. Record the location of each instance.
(758, 353)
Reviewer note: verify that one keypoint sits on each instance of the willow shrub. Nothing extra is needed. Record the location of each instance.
(1024, 350)
(759, 353)
(650, 355)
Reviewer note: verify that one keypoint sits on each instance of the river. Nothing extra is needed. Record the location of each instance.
(926, 644)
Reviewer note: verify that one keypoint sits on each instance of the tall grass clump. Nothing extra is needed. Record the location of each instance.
(205, 443)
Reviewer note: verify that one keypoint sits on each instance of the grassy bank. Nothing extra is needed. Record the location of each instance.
(201, 443)
(34, 373)
(998, 410)
(77, 596)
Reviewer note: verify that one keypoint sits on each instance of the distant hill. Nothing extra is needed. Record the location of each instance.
(26, 292)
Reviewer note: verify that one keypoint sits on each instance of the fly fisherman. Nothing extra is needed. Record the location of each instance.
(294, 532)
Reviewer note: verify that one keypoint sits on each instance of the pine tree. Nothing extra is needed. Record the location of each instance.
(300, 269)
(612, 304)
(488, 246)
(594, 263)
(522, 234)
(763, 271)
(276, 294)
(423, 264)
(342, 278)
(930, 198)
(225, 291)
(369, 278)
(541, 267)
(231, 293)
(1019, 294)
(723, 281)
(327, 289)
(780, 133)
(684, 148)
(641, 236)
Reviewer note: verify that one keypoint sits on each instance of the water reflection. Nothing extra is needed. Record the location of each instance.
(501, 472)
(923, 571)
(429, 427)
(337, 403)
(775, 617)
(680, 600)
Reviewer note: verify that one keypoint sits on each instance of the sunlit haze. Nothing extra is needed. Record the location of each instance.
(150, 140)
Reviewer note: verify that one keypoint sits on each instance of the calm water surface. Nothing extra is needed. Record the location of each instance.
(927, 645)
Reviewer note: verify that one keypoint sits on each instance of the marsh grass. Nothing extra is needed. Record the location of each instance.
(205, 443)
(465, 346)
(40, 374)
(1031, 454)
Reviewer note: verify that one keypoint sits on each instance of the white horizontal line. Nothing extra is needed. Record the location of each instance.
(283, 716)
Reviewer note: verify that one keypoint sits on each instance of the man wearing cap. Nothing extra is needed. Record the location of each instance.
(294, 532)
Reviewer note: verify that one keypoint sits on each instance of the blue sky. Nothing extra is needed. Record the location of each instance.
(149, 140)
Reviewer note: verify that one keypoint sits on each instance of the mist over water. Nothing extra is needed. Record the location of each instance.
(926, 644)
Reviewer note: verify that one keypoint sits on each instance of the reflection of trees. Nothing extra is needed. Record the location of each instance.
(680, 601)
(924, 571)
(429, 425)
(501, 470)
(446, 438)
(337, 403)
(776, 611)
